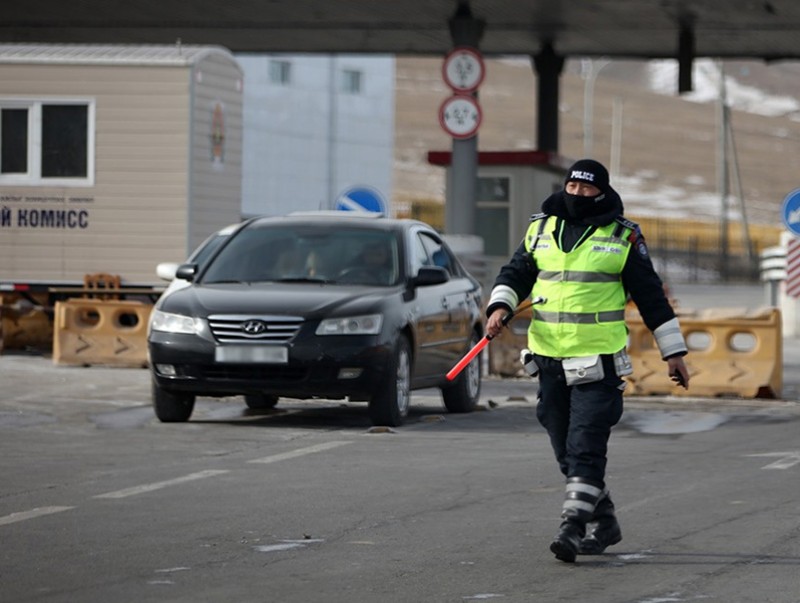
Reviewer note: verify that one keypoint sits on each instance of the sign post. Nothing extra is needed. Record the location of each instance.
(790, 294)
(790, 215)
(460, 116)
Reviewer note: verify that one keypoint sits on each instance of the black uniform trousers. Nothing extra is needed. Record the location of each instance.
(579, 418)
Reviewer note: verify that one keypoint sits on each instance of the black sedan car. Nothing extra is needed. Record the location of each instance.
(327, 306)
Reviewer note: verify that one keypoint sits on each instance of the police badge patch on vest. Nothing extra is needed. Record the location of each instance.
(636, 238)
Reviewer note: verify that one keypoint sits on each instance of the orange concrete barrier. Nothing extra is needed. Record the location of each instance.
(102, 332)
(732, 352)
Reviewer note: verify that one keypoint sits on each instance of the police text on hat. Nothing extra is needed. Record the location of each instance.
(589, 171)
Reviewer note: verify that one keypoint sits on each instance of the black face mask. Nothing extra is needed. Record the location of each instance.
(579, 207)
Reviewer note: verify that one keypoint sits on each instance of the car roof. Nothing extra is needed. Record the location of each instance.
(342, 218)
(227, 230)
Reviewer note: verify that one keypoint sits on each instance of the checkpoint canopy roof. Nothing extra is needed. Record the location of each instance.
(766, 29)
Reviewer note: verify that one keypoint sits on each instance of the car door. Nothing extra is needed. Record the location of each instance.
(443, 314)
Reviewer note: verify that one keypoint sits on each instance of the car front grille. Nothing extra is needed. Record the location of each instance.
(262, 329)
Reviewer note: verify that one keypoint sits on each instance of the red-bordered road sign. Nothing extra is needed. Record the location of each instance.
(463, 69)
(460, 116)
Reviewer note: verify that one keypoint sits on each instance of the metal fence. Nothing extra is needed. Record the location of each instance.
(696, 251)
(683, 251)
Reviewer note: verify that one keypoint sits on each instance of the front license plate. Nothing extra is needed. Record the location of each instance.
(272, 354)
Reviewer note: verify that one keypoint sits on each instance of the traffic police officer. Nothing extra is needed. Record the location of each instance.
(584, 258)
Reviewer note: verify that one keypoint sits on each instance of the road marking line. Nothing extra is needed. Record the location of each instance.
(158, 485)
(787, 460)
(299, 452)
(38, 512)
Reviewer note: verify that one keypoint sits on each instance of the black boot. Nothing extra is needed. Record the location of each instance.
(604, 528)
(568, 540)
(579, 505)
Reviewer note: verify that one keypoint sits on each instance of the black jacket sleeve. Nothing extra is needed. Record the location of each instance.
(644, 285)
(519, 274)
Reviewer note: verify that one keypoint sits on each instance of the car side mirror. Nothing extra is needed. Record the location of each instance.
(430, 275)
(186, 272)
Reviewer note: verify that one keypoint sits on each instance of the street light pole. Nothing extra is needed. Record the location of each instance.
(722, 169)
(590, 72)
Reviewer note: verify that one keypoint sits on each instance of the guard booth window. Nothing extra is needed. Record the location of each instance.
(492, 213)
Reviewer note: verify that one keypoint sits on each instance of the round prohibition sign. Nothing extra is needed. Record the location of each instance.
(460, 116)
(463, 69)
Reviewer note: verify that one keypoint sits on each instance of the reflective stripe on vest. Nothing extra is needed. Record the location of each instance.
(585, 318)
(585, 309)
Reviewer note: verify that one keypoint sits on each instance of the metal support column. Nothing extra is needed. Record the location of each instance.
(548, 65)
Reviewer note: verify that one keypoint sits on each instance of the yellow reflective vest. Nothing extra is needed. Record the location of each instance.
(585, 309)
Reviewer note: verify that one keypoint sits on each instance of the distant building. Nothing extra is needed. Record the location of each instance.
(315, 126)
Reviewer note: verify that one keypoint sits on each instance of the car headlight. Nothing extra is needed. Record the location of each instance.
(351, 325)
(175, 323)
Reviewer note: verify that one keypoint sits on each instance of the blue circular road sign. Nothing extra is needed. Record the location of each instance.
(791, 212)
(361, 198)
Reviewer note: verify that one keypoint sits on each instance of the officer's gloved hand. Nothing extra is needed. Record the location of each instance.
(526, 358)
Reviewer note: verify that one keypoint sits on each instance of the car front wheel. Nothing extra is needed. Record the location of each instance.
(465, 391)
(172, 407)
(389, 406)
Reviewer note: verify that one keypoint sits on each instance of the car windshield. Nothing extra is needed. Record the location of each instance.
(308, 253)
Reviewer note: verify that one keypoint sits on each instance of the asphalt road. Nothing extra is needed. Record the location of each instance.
(100, 502)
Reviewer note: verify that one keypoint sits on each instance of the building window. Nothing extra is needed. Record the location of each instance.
(351, 81)
(64, 141)
(280, 72)
(47, 143)
(14, 143)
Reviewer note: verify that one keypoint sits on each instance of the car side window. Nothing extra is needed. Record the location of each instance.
(419, 257)
(437, 254)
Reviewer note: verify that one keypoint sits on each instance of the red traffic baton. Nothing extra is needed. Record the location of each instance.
(476, 349)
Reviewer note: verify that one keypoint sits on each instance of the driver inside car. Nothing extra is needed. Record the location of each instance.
(374, 265)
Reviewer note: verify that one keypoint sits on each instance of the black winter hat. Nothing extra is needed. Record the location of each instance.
(591, 171)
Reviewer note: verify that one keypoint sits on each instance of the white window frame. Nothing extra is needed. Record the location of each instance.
(33, 177)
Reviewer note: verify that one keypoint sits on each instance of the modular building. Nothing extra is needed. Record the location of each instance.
(113, 159)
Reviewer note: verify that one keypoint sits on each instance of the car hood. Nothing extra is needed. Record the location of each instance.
(307, 300)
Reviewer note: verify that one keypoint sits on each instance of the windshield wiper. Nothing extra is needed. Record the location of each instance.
(233, 281)
(301, 279)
